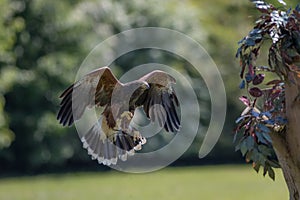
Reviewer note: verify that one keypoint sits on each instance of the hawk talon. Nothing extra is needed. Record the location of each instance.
(127, 114)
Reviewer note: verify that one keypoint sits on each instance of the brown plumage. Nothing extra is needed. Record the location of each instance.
(113, 137)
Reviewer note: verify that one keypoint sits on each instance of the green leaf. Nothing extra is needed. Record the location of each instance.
(256, 166)
(261, 159)
(265, 150)
(261, 138)
(271, 173)
(250, 41)
(265, 170)
(249, 156)
(243, 147)
(250, 142)
(237, 147)
(242, 84)
(263, 128)
(255, 155)
(274, 163)
(239, 119)
(267, 137)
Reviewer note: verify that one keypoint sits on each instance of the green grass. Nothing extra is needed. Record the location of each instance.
(225, 182)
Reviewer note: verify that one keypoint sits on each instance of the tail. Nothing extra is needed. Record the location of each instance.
(107, 150)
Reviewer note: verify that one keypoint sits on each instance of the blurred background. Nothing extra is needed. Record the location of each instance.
(43, 43)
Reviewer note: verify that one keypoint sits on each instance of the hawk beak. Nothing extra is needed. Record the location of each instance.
(147, 86)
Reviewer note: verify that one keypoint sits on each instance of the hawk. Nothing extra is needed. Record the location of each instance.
(112, 137)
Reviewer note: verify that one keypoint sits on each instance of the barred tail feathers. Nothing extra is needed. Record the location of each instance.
(108, 150)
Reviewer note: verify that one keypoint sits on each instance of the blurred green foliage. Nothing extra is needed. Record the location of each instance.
(42, 44)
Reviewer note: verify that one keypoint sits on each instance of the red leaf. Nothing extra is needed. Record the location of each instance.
(245, 100)
(274, 82)
(258, 79)
(251, 70)
(255, 92)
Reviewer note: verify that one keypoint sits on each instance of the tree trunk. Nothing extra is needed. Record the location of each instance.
(287, 145)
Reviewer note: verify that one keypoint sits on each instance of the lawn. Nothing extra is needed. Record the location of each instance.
(210, 182)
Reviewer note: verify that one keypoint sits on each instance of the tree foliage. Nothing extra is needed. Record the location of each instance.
(279, 30)
(42, 46)
(10, 26)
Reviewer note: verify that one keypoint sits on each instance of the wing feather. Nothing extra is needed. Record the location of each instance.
(174, 115)
(161, 93)
(171, 123)
(93, 89)
(161, 114)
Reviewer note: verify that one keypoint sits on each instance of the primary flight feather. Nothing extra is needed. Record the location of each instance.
(112, 137)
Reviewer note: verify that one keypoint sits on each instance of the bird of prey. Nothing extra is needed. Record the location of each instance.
(112, 137)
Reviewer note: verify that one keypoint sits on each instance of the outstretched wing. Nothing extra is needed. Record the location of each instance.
(160, 101)
(93, 89)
